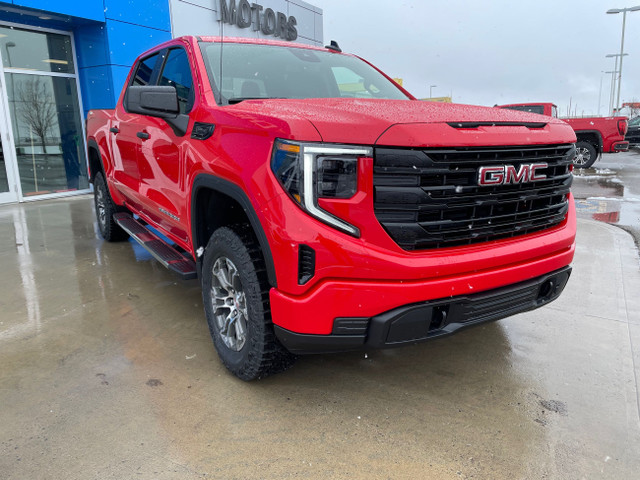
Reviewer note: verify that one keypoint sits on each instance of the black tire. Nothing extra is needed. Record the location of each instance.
(234, 280)
(586, 155)
(105, 208)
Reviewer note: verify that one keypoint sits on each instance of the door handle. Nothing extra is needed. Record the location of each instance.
(142, 135)
(114, 130)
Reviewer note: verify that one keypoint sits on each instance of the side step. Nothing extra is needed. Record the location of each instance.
(161, 250)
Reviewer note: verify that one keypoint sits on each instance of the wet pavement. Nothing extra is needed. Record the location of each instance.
(107, 371)
(610, 191)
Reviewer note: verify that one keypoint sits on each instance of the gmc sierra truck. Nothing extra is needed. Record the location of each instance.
(324, 208)
(595, 135)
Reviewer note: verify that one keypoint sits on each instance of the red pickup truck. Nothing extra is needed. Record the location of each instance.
(322, 206)
(595, 135)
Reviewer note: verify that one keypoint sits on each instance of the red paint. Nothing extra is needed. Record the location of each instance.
(609, 131)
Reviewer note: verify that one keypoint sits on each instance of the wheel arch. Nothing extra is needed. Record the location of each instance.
(207, 190)
(594, 137)
(95, 159)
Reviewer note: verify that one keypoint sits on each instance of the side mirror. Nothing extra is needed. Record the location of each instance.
(153, 101)
(156, 101)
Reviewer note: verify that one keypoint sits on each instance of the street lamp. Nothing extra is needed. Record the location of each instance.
(431, 87)
(612, 94)
(624, 20)
(613, 82)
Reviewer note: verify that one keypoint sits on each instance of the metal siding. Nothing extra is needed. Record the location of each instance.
(200, 17)
(96, 87)
(150, 13)
(91, 45)
(88, 9)
(127, 41)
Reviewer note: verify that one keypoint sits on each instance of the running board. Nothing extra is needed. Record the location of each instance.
(161, 250)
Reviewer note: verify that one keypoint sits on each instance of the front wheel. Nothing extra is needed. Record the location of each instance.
(586, 155)
(236, 300)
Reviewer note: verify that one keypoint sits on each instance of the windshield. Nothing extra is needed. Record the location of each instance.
(634, 121)
(249, 71)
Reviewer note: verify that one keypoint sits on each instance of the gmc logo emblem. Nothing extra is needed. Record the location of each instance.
(508, 174)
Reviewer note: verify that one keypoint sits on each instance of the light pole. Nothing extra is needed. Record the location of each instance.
(624, 20)
(600, 92)
(613, 85)
(613, 72)
(431, 87)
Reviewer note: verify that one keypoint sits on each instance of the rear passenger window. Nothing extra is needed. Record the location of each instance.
(144, 70)
(177, 73)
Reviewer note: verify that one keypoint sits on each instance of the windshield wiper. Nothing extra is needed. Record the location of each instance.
(234, 100)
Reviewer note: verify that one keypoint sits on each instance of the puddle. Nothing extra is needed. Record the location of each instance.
(610, 193)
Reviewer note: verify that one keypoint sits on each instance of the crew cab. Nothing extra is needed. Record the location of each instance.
(324, 208)
(595, 135)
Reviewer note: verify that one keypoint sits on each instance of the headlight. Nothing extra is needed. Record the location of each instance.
(308, 171)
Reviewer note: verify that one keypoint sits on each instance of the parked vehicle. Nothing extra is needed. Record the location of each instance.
(633, 132)
(322, 206)
(595, 135)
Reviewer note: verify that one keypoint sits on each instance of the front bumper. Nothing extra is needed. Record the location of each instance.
(431, 319)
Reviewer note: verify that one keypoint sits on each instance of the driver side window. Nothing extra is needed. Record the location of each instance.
(177, 73)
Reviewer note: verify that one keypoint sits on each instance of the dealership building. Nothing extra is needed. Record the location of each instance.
(58, 60)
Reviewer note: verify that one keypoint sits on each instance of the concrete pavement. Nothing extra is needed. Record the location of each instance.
(107, 371)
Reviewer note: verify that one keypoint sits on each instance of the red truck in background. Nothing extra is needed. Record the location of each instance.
(595, 135)
(322, 206)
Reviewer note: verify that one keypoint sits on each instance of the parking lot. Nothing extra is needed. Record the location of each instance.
(107, 370)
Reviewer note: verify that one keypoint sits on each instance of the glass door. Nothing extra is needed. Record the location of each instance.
(42, 104)
(8, 179)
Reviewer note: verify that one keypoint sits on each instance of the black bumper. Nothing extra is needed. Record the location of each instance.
(423, 321)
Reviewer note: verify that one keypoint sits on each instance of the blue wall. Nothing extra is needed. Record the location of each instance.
(109, 35)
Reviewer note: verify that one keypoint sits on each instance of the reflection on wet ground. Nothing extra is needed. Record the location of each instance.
(610, 191)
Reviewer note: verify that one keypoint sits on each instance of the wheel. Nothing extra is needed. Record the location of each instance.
(236, 301)
(105, 208)
(586, 155)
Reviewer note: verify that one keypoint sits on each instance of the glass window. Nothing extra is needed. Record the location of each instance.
(47, 130)
(266, 71)
(144, 70)
(177, 73)
(40, 51)
(351, 84)
(634, 121)
(528, 108)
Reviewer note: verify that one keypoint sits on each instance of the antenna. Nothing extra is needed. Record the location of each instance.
(333, 46)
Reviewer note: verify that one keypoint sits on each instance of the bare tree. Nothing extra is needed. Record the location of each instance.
(37, 108)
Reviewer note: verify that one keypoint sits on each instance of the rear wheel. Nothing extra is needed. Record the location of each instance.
(236, 301)
(586, 155)
(105, 209)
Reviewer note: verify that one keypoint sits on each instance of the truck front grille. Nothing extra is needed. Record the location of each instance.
(430, 198)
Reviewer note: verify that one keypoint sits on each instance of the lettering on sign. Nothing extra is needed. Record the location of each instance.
(245, 15)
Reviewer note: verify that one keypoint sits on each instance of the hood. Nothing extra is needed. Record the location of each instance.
(406, 122)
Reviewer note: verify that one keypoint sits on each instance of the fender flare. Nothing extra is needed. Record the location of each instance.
(590, 133)
(235, 192)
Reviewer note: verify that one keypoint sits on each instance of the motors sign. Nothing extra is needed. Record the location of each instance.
(245, 15)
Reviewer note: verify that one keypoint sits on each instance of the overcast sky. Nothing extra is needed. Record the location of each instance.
(496, 51)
